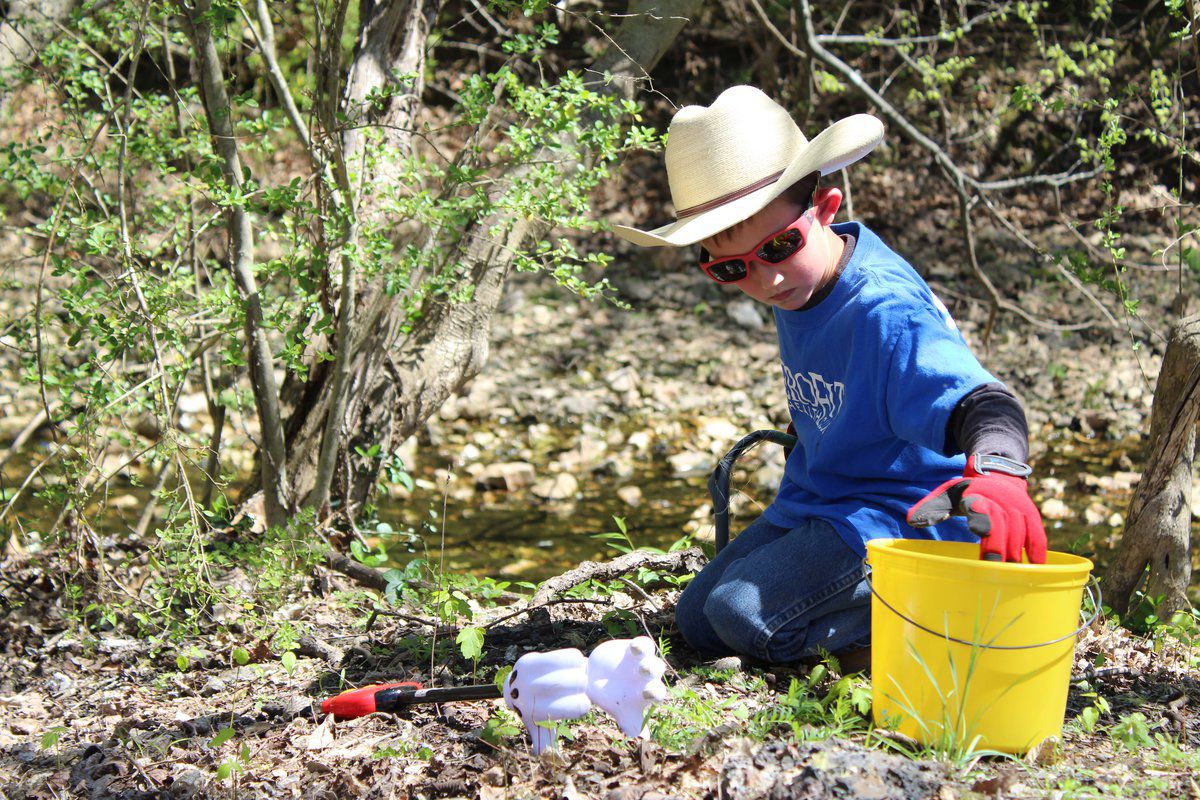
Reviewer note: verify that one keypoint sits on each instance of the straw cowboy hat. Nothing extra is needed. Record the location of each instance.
(726, 161)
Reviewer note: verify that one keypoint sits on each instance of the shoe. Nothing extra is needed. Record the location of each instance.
(855, 661)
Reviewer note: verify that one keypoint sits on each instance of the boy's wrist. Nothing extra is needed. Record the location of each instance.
(988, 463)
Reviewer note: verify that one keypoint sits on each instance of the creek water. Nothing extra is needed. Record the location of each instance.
(518, 537)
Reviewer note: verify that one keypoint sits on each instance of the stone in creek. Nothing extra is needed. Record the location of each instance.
(631, 495)
(507, 476)
(562, 486)
(623, 380)
(1053, 508)
(690, 463)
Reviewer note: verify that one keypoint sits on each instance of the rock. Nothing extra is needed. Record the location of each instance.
(617, 466)
(213, 686)
(824, 769)
(745, 313)
(637, 289)
(507, 476)
(1054, 508)
(581, 405)
(630, 495)
(1051, 487)
(469, 454)
(720, 433)
(1119, 481)
(728, 662)
(193, 403)
(1096, 514)
(58, 684)
(730, 376)
(623, 380)
(690, 463)
(562, 486)
(639, 440)
(188, 784)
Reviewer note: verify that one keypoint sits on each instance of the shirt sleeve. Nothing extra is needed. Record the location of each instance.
(930, 371)
(991, 420)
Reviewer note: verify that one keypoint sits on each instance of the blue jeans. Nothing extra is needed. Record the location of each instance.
(778, 595)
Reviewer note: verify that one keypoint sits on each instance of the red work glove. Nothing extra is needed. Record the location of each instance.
(994, 497)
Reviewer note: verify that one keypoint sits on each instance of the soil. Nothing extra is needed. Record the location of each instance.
(104, 717)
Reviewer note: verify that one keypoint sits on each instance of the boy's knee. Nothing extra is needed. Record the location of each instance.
(689, 617)
(734, 618)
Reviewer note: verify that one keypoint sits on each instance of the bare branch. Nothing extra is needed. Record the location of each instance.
(262, 376)
(968, 188)
(903, 41)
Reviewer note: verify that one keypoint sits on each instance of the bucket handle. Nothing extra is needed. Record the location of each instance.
(1093, 589)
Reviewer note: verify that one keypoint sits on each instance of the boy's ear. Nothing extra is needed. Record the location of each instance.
(826, 202)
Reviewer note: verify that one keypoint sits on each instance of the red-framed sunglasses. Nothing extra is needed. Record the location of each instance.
(781, 245)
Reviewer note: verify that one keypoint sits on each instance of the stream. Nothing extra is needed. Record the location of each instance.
(1082, 486)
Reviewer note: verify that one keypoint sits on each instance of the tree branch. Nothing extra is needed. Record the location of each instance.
(967, 187)
(262, 376)
(690, 560)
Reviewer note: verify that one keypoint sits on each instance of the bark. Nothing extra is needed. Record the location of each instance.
(27, 27)
(678, 563)
(1158, 526)
(397, 379)
(273, 469)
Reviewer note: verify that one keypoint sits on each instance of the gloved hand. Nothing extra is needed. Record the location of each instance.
(994, 497)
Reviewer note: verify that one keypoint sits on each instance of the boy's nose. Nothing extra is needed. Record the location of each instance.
(770, 275)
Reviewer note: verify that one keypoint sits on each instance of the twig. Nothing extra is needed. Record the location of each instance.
(359, 572)
(379, 612)
(642, 592)
(904, 41)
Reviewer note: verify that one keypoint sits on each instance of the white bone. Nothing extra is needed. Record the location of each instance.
(547, 686)
(625, 678)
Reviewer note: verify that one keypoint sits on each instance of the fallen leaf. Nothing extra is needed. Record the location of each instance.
(570, 792)
(322, 735)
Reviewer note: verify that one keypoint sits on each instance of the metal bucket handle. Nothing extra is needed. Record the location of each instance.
(1096, 595)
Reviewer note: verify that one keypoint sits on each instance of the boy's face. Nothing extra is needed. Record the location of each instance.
(789, 284)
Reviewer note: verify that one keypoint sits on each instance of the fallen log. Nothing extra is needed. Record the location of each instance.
(690, 560)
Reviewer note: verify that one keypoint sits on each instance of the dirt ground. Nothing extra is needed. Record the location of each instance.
(106, 718)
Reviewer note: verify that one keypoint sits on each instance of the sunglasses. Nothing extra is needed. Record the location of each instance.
(777, 247)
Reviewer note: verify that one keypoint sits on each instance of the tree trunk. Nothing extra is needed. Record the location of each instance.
(1158, 526)
(398, 380)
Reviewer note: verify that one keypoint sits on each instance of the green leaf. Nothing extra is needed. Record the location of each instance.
(51, 737)
(289, 662)
(223, 736)
(470, 642)
(182, 663)
(241, 656)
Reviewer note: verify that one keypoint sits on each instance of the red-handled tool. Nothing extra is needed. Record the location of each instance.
(386, 697)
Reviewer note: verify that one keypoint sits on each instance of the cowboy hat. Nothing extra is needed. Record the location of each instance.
(727, 161)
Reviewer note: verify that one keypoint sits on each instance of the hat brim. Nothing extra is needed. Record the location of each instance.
(838, 146)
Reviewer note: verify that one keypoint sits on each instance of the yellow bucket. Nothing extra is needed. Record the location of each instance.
(968, 653)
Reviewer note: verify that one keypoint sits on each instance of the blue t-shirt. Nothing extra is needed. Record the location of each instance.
(872, 374)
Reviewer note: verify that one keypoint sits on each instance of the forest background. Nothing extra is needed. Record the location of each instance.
(257, 259)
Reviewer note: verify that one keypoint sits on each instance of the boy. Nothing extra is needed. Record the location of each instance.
(884, 394)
